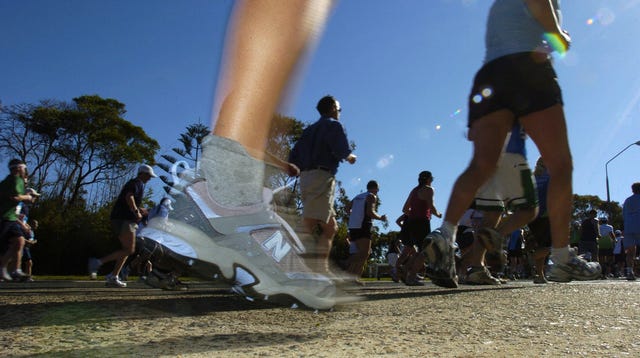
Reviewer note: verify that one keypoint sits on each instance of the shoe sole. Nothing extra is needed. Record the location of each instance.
(237, 270)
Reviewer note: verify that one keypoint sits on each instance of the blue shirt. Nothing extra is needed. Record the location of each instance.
(121, 209)
(631, 214)
(323, 145)
(516, 143)
(512, 29)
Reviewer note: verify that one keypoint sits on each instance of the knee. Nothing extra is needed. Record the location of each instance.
(481, 169)
(560, 167)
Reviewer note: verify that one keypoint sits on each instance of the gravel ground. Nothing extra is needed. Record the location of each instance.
(85, 319)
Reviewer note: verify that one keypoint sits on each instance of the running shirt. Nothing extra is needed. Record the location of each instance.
(419, 208)
(359, 217)
(605, 241)
(631, 214)
(11, 186)
(512, 29)
(121, 209)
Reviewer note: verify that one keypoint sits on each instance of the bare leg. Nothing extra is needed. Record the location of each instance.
(488, 135)
(357, 265)
(127, 242)
(548, 130)
(268, 39)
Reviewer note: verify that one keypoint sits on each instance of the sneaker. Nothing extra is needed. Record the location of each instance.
(540, 280)
(481, 276)
(5, 275)
(18, 275)
(93, 267)
(440, 254)
(251, 247)
(114, 281)
(631, 276)
(492, 241)
(577, 268)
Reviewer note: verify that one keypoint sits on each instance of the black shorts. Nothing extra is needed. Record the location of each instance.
(11, 229)
(541, 230)
(418, 228)
(515, 82)
(361, 233)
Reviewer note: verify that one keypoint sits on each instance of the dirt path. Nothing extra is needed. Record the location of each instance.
(84, 319)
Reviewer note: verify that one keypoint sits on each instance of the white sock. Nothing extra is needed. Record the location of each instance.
(560, 255)
(449, 231)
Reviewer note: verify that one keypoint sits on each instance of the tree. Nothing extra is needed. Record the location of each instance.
(77, 146)
(583, 203)
(188, 155)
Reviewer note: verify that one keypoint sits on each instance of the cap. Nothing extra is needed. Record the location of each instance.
(147, 170)
(618, 232)
(32, 192)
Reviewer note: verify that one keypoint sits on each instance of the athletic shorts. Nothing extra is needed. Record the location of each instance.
(515, 82)
(317, 188)
(418, 228)
(631, 239)
(11, 229)
(360, 233)
(511, 187)
(541, 230)
(26, 254)
(121, 226)
(392, 258)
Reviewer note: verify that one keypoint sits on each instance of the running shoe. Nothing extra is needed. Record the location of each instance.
(631, 276)
(540, 280)
(477, 275)
(5, 275)
(440, 254)
(252, 248)
(93, 267)
(114, 281)
(577, 268)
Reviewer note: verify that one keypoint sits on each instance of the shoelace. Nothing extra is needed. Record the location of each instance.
(182, 178)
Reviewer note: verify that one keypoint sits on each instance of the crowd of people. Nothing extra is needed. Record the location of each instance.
(234, 232)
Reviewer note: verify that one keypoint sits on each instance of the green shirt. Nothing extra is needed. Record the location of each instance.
(11, 186)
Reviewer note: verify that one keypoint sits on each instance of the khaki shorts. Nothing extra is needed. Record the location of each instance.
(121, 226)
(512, 186)
(318, 189)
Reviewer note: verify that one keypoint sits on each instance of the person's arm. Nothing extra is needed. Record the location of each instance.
(131, 202)
(543, 12)
(289, 168)
(338, 142)
(427, 194)
(370, 208)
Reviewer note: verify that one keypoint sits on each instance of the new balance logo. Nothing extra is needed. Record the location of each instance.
(276, 245)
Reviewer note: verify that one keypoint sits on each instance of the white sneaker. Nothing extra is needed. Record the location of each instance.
(577, 268)
(251, 247)
(114, 281)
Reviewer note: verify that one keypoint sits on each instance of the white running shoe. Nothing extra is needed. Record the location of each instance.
(114, 281)
(251, 247)
(577, 268)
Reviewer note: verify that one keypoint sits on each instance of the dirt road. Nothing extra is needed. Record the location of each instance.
(85, 319)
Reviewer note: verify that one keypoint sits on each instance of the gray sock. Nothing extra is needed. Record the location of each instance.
(234, 178)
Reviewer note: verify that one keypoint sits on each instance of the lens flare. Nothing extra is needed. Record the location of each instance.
(438, 127)
(556, 43)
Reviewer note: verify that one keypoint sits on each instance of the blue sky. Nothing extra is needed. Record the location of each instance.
(402, 71)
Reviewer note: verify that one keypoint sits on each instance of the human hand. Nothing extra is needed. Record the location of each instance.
(351, 158)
